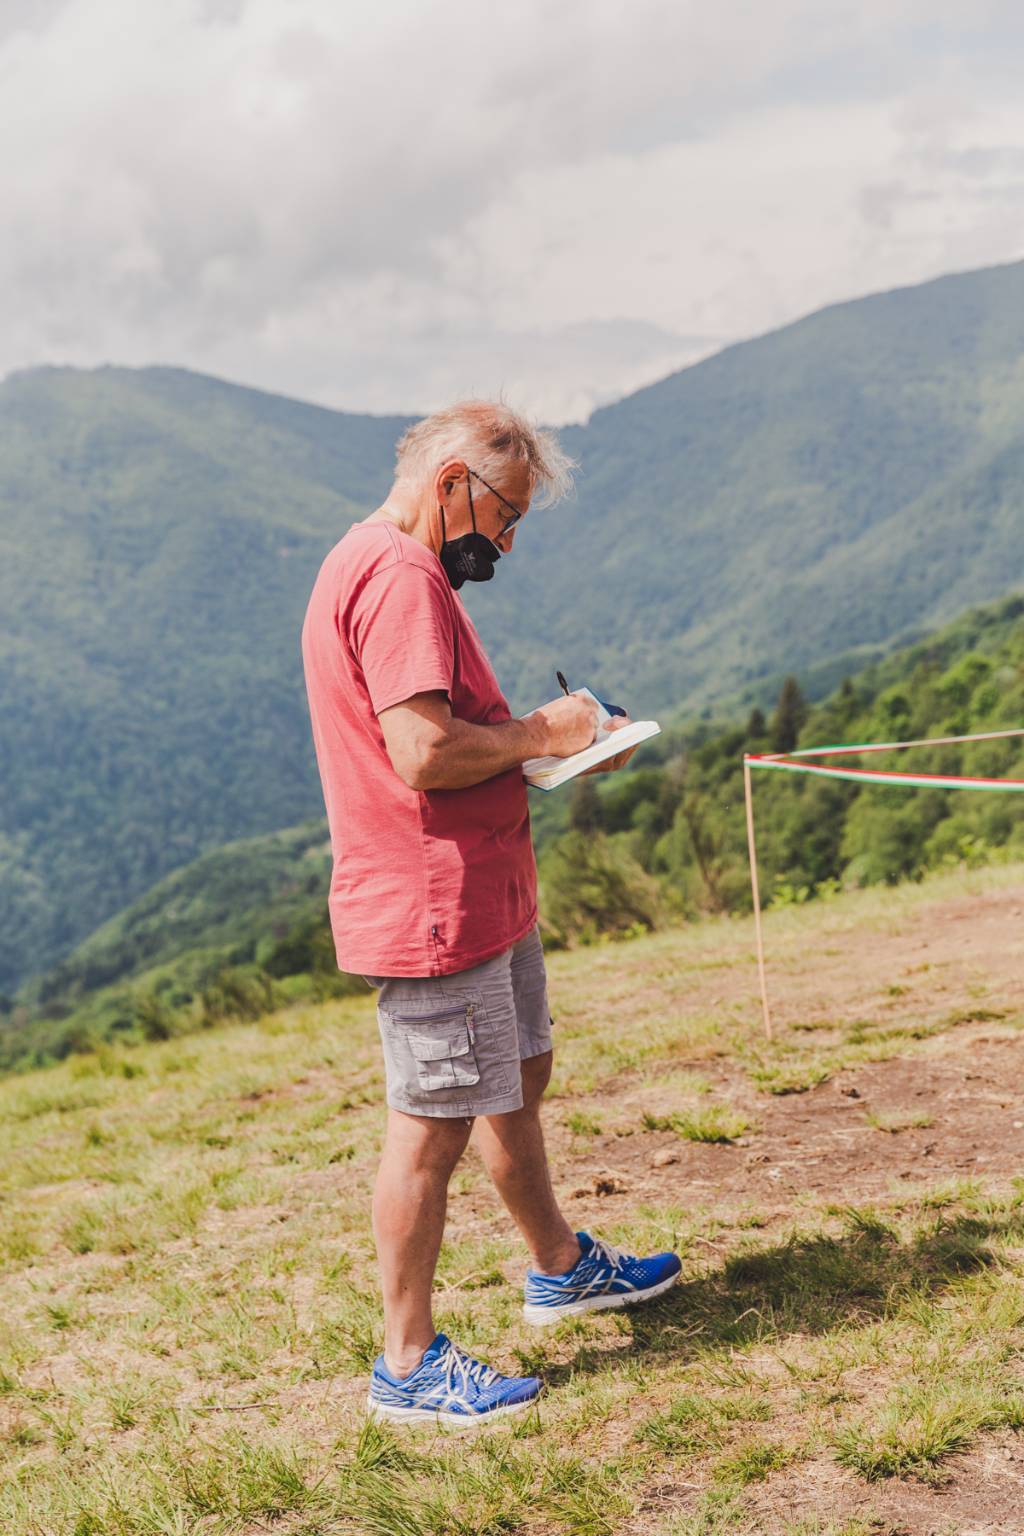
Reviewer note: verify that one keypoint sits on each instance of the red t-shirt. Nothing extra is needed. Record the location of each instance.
(425, 882)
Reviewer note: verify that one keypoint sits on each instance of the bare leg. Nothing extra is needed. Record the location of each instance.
(409, 1205)
(512, 1147)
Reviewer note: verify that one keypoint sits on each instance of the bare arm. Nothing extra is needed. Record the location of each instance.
(431, 749)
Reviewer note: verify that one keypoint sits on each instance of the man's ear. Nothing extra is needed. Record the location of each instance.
(448, 475)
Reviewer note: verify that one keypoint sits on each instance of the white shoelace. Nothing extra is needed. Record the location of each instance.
(463, 1366)
(608, 1251)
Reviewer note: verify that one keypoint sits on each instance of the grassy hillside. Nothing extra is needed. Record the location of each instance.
(190, 1302)
(817, 492)
(211, 938)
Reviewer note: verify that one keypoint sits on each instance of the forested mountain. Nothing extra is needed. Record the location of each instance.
(818, 493)
(161, 532)
(671, 837)
(246, 927)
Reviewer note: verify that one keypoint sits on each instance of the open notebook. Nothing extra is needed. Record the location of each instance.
(549, 772)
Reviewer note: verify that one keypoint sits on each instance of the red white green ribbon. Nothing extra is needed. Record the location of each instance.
(787, 763)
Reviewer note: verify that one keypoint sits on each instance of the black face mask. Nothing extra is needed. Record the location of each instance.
(471, 556)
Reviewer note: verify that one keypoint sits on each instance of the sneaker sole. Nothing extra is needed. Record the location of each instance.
(544, 1317)
(442, 1420)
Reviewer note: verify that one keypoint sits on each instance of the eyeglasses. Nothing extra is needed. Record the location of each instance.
(509, 522)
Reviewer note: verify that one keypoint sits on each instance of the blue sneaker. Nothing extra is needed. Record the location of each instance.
(601, 1277)
(448, 1388)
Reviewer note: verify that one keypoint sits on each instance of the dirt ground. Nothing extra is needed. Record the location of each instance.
(819, 1146)
(983, 1496)
(821, 1143)
(968, 1079)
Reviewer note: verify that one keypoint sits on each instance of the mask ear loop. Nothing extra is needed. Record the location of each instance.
(469, 488)
(469, 492)
(472, 513)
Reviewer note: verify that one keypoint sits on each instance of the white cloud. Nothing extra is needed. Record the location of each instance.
(380, 206)
(783, 211)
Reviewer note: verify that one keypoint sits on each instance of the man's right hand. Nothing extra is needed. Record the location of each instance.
(566, 725)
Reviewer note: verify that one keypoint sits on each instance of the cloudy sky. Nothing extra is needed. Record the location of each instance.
(380, 204)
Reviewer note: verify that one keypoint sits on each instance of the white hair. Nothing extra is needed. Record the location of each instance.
(489, 436)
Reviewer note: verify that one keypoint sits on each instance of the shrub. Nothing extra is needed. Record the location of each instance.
(592, 887)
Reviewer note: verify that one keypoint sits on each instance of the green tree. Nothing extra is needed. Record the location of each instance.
(152, 1015)
(585, 807)
(789, 717)
(591, 886)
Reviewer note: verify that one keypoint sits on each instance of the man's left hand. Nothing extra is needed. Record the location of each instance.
(611, 763)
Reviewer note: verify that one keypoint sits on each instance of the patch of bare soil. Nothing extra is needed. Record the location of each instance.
(951, 1109)
(819, 1143)
(967, 1081)
(982, 1494)
(916, 963)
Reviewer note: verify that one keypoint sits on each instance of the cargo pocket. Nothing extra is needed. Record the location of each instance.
(441, 1047)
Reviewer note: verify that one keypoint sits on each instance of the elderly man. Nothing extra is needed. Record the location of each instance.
(434, 892)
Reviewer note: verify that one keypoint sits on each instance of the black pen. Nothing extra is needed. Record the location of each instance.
(562, 683)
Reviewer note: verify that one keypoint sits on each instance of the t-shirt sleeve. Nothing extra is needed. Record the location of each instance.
(402, 631)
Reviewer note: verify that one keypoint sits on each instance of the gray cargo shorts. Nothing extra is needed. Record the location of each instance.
(453, 1044)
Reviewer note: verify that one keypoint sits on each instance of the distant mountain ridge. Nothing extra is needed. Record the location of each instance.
(818, 491)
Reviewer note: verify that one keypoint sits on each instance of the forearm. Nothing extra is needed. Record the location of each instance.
(432, 749)
(468, 754)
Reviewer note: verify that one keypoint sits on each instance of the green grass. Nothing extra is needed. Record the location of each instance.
(694, 1422)
(920, 1426)
(719, 1512)
(781, 1077)
(898, 1120)
(581, 1123)
(751, 1462)
(191, 1305)
(854, 1527)
(713, 1122)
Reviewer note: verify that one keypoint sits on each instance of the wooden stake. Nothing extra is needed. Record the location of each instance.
(752, 849)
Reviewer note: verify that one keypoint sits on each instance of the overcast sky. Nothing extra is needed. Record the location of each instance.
(383, 204)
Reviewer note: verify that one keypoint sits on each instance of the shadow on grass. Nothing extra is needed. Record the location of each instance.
(806, 1285)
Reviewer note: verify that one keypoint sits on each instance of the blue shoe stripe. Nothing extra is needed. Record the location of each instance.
(594, 1275)
(453, 1384)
